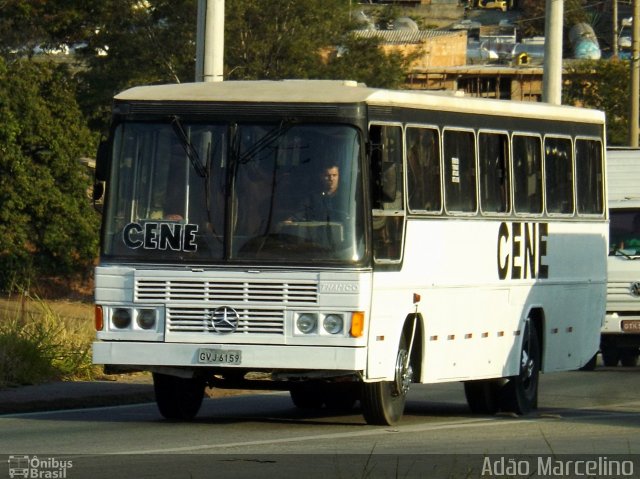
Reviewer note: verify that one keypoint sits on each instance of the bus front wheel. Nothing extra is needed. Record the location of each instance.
(520, 393)
(383, 402)
(178, 398)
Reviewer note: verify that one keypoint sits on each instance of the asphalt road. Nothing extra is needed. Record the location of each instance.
(595, 415)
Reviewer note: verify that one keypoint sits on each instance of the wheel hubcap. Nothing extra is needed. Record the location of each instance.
(527, 365)
(403, 375)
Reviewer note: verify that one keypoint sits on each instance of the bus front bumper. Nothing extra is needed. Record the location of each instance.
(252, 357)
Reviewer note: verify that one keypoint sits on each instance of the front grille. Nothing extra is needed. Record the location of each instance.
(199, 320)
(227, 292)
(192, 304)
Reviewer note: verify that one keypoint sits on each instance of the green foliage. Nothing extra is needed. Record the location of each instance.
(360, 59)
(275, 39)
(603, 85)
(533, 16)
(47, 224)
(39, 346)
(27, 24)
(384, 16)
(154, 42)
(134, 43)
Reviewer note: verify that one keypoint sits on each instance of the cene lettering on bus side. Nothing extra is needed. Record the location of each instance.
(522, 248)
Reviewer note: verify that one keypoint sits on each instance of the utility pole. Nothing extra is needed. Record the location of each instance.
(210, 41)
(552, 71)
(634, 112)
(614, 18)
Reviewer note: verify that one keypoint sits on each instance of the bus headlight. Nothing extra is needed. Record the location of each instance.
(121, 318)
(307, 323)
(146, 318)
(333, 323)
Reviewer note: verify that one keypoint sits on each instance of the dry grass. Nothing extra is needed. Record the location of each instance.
(42, 341)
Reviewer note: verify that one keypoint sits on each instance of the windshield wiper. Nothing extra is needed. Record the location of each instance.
(618, 252)
(266, 140)
(189, 149)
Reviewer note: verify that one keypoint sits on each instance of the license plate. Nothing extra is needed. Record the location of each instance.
(219, 356)
(631, 325)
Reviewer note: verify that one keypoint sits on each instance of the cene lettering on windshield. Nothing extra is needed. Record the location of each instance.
(161, 236)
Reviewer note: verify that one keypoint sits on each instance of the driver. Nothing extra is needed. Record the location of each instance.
(323, 204)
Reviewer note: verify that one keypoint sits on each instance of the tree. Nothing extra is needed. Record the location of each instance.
(29, 24)
(47, 224)
(533, 16)
(276, 39)
(133, 43)
(603, 85)
(154, 42)
(361, 59)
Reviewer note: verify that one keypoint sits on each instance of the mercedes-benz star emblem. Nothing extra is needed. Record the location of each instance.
(224, 320)
(635, 288)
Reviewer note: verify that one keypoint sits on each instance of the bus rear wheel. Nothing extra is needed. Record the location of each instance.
(383, 402)
(178, 398)
(520, 394)
(483, 396)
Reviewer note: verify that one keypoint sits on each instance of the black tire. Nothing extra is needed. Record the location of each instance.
(483, 396)
(178, 398)
(383, 402)
(591, 364)
(307, 396)
(629, 357)
(520, 394)
(610, 356)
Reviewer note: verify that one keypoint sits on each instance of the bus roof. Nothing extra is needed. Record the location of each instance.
(338, 91)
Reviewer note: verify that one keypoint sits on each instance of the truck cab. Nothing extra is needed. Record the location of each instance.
(620, 336)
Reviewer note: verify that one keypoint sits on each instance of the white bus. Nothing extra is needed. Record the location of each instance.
(466, 241)
(620, 340)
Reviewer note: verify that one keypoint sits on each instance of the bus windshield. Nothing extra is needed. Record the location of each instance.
(212, 192)
(624, 237)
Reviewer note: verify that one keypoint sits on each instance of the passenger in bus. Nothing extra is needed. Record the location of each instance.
(423, 175)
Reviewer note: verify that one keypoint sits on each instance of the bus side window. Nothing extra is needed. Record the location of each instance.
(558, 168)
(527, 174)
(423, 169)
(459, 171)
(493, 153)
(589, 177)
(387, 191)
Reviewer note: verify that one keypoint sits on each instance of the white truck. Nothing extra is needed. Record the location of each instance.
(620, 338)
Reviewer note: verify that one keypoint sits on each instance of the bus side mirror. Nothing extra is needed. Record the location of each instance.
(384, 175)
(102, 162)
(98, 190)
(97, 195)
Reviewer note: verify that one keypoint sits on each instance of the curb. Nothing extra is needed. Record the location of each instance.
(74, 395)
